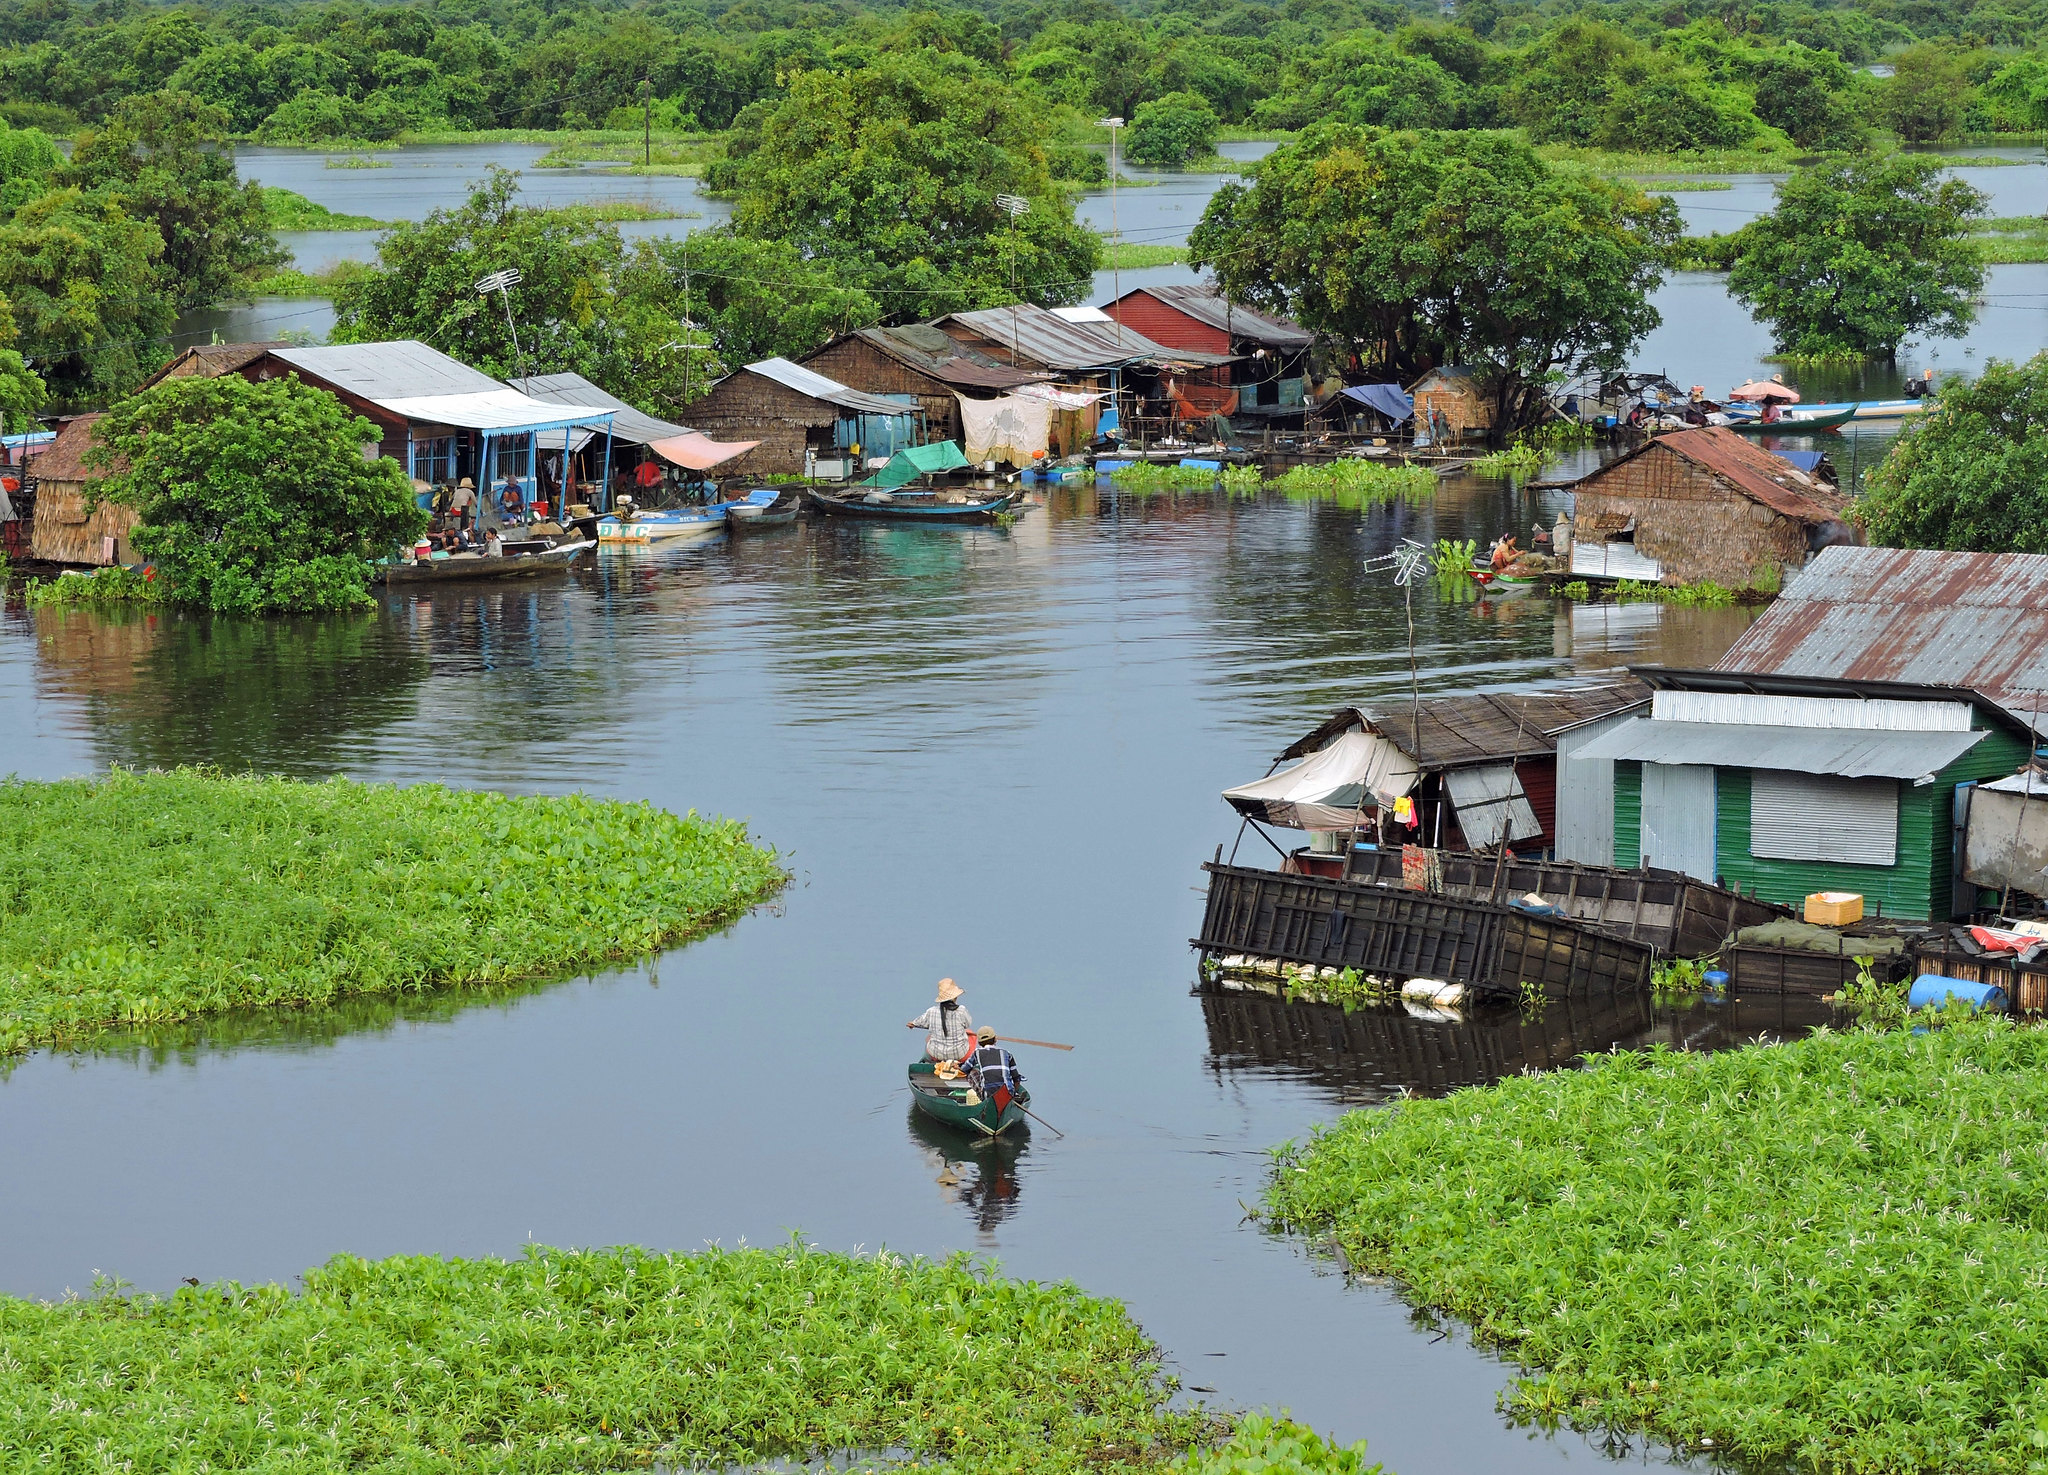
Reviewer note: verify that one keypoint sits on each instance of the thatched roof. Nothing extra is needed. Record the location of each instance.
(64, 460)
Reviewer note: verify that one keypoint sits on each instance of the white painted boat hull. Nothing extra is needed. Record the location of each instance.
(657, 530)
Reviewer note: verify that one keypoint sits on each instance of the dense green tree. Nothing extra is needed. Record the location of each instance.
(1657, 103)
(28, 157)
(1562, 86)
(895, 181)
(83, 279)
(163, 156)
(424, 287)
(254, 498)
(1860, 255)
(1812, 96)
(1924, 98)
(1360, 79)
(22, 391)
(1974, 475)
(1170, 130)
(1422, 249)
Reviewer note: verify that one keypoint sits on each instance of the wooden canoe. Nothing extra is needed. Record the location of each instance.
(478, 566)
(908, 508)
(1795, 424)
(948, 1102)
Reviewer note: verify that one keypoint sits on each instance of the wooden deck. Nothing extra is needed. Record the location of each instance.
(1398, 935)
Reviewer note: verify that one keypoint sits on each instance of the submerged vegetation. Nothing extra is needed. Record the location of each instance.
(164, 896)
(603, 1359)
(1822, 1255)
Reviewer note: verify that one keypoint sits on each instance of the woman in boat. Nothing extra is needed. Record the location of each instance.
(949, 1028)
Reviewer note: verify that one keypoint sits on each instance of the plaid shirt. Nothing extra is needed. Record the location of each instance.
(949, 1028)
(991, 1067)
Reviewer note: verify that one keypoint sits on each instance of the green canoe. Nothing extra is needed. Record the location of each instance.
(956, 1104)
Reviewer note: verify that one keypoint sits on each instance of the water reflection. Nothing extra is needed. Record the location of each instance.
(1377, 1053)
(980, 1174)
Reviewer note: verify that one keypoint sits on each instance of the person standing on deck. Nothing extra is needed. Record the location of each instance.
(950, 1029)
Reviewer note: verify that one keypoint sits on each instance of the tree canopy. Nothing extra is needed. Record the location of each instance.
(254, 498)
(1974, 475)
(1424, 249)
(88, 301)
(1860, 255)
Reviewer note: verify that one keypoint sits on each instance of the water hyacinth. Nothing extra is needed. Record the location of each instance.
(1821, 1256)
(590, 1360)
(1357, 483)
(143, 898)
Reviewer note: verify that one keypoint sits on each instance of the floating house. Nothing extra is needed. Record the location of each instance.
(1268, 376)
(1701, 506)
(636, 437)
(1450, 403)
(1476, 769)
(436, 416)
(65, 528)
(922, 362)
(1781, 786)
(805, 423)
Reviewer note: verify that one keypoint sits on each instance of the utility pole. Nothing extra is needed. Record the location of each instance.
(502, 282)
(646, 123)
(689, 329)
(1013, 206)
(1116, 265)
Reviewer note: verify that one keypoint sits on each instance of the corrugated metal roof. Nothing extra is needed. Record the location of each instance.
(403, 368)
(1460, 730)
(1044, 337)
(1972, 620)
(634, 427)
(813, 385)
(1206, 305)
(1845, 752)
(946, 360)
(1744, 465)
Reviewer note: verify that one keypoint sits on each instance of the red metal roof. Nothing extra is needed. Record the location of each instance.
(1208, 306)
(1977, 620)
(1744, 465)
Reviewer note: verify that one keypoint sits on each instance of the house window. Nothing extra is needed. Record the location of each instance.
(1807, 816)
(434, 460)
(509, 458)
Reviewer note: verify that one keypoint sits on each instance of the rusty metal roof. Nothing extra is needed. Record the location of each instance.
(1043, 337)
(929, 351)
(1487, 728)
(1972, 620)
(1744, 465)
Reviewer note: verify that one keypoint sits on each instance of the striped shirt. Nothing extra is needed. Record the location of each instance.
(949, 1030)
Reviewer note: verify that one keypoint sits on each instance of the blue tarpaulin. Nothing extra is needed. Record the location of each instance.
(1390, 400)
(1804, 460)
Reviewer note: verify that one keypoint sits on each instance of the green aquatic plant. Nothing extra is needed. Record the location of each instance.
(1264, 1445)
(1680, 975)
(1242, 480)
(141, 898)
(1453, 556)
(1163, 476)
(1348, 988)
(1577, 589)
(1822, 1255)
(1520, 459)
(114, 585)
(585, 1360)
(1357, 482)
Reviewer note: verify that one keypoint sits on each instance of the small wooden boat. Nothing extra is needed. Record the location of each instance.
(515, 562)
(902, 506)
(1874, 409)
(767, 508)
(957, 1104)
(1797, 422)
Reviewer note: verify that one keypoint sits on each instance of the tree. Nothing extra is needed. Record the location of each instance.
(1924, 98)
(1424, 249)
(1974, 475)
(424, 286)
(254, 498)
(83, 279)
(22, 391)
(895, 182)
(1862, 254)
(28, 158)
(164, 157)
(1170, 130)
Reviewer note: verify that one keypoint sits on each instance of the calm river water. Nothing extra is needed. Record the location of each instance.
(991, 754)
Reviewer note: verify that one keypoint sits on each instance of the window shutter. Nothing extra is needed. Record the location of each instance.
(1806, 816)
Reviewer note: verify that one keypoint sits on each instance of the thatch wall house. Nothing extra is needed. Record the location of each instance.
(1449, 402)
(66, 528)
(1701, 506)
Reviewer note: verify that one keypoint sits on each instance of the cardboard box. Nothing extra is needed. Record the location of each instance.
(1834, 908)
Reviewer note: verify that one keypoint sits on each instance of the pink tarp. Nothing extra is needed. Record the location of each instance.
(694, 451)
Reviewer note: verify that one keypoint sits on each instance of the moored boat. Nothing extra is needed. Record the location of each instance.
(765, 508)
(957, 1104)
(908, 507)
(1872, 409)
(657, 527)
(514, 563)
(1798, 422)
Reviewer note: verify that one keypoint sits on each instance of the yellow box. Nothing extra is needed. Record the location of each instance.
(1834, 908)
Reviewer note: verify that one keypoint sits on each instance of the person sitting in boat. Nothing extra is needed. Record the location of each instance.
(511, 502)
(1922, 387)
(992, 1070)
(949, 1028)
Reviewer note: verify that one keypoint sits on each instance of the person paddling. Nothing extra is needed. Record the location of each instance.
(949, 1027)
(993, 1070)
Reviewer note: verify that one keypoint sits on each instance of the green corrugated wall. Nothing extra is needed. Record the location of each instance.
(1906, 889)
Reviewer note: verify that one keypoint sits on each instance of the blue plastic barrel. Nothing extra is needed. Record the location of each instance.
(1714, 978)
(1933, 989)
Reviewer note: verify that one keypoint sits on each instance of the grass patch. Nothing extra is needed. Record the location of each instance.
(1268, 1446)
(1822, 1256)
(141, 898)
(289, 210)
(1708, 161)
(676, 154)
(291, 282)
(1133, 257)
(356, 161)
(2009, 240)
(1705, 595)
(1684, 186)
(1356, 482)
(590, 1360)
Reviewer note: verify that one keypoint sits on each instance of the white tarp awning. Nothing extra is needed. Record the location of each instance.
(494, 409)
(1009, 428)
(1065, 399)
(1328, 789)
(1488, 799)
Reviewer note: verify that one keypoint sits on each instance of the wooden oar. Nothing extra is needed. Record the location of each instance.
(1020, 1040)
(1040, 1120)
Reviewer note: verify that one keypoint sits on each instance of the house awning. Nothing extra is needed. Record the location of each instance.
(493, 410)
(1328, 788)
(695, 451)
(1841, 751)
(1391, 400)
